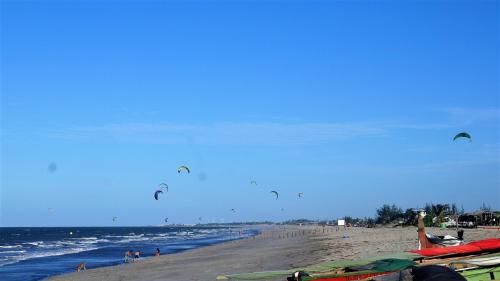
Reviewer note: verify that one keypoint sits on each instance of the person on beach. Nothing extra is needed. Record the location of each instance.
(137, 255)
(81, 267)
(157, 254)
(128, 256)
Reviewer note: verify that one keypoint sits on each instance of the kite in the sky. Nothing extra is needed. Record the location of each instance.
(275, 193)
(157, 193)
(52, 167)
(463, 135)
(185, 168)
(163, 186)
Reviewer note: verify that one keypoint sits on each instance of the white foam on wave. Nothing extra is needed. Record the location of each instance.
(36, 243)
(207, 231)
(128, 240)
(77, 242)
(34, 255)
(72, 245)
(103, 240)
(83, 241)
(40, 249)
(84, 238)
(10, 246)
(124, 236)
(166, 237)
(6, 262)
(184, 233)
(9, 252)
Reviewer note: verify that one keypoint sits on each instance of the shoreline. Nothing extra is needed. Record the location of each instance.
(48, 252)
(276, 248)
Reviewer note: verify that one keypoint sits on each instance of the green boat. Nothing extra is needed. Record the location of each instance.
(482, 274)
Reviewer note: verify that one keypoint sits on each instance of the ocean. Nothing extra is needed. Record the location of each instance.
(34, 253)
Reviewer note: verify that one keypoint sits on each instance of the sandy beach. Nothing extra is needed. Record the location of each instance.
(275, 248)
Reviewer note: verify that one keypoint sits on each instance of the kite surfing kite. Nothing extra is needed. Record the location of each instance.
(157, 193)
(114, 219)
(163, 186)
(233, 210)
(301, 194)
(253, 182)
(166, 219)
(275, 193)
(179, 170)
(52, 167)
(462, 135)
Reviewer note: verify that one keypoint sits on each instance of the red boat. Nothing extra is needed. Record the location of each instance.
(487, 245)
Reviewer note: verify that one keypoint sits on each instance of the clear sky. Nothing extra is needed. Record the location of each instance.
(353, 103)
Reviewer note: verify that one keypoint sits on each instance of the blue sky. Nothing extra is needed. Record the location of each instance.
(355, 104)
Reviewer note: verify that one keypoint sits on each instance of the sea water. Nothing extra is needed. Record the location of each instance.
(34, 253)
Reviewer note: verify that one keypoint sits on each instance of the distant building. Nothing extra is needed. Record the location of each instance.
(483, 218)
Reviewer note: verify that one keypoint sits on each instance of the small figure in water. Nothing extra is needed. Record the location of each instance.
(137, 255)
(128, 256)
(157, 254)
(80, 267)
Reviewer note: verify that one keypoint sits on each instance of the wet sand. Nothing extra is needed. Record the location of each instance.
(275, 249)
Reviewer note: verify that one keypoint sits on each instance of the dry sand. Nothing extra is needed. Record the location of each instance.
(275, 249)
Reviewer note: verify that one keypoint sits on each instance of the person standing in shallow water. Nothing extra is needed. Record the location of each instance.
(157, 253)
(137, 255)
(128, 256)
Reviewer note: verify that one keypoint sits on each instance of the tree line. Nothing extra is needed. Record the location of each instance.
(392, 214)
